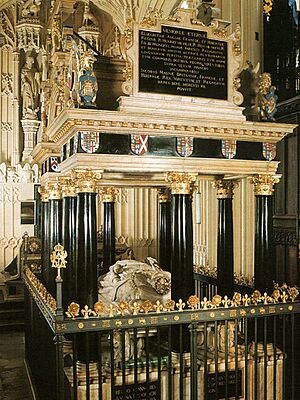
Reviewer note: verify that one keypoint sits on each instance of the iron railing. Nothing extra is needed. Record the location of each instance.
(246, 348)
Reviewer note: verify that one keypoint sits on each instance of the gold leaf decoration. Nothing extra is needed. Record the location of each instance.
(73, 310)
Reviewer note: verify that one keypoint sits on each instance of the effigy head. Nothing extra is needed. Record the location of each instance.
(131, 280)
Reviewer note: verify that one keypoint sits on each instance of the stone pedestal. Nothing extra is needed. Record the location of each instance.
(30, 128)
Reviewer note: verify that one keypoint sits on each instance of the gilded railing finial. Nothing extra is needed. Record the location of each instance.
(58, 258)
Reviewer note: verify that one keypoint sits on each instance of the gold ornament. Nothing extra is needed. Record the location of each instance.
(193, 301)
(180, 305)
(87, 312)
(54, 191)
(181, 182)
(164, 195)
(44, 193)
(224, 188)
(147, 306)
(216, 300)
(170, 305)
(73, 310)
(123, 307)
(86, 180)
(108, 194)
(99, 308)
(58, 258)
(158, 307)
(264, 184)
(68, 188)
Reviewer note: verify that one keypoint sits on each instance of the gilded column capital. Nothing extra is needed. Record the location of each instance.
(86, 180)
(163, 195)
(68, 187)
(108, 194)
(224, 188)
(44, 193)
(264, 184)
(181, 182)
(54, 191)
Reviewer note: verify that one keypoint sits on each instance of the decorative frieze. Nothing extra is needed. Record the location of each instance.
(181, 182)
(264, 184)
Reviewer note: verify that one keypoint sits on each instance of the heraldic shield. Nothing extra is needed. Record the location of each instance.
(88, 89)
(185, 146)
(228, 148)
(139, 144)
(269, 151)
(89, 141)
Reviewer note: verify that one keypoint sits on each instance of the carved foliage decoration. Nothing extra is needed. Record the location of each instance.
(7, 26)
(7, 83)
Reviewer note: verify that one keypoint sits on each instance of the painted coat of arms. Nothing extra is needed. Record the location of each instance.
(269, 151)
(88, 85)
(89, 141)
(53, 164)
(185, 146)
(229, 148)
(139, 144)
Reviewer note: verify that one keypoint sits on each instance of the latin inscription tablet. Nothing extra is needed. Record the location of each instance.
(182, 62)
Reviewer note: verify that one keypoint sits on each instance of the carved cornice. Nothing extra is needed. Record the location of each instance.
(71, 121)
(181, 182)
(264, 184)
(86, 180)
(224, 188)
(68, 188)
(108, 194)
(163, 195)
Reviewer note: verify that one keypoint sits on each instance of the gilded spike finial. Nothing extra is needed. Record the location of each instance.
(58, 259)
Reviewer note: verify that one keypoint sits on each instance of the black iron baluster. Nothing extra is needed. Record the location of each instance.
(226, 360)
(59, 343)
(284, 356)
(274, 355)
(99, 365)
(87, 366)
(181, 362)
(147, 363)
(255, 359)
(216, 360)
(236, 358)
(123, 362)
(194, 365)
(293, 354)
(135, 364)
(170, 374)
(265, 357)
(205, 359)
(246, 358)
(159, 359)
(74, 349)
(112, 365)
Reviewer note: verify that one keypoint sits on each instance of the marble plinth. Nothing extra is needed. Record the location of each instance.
(182, 106)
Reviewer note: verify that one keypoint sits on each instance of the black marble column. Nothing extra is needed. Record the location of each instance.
(164, 229)
(109, 240)
(86, 257)
(264, 263)
(45, 249)
(225, 263)
(55, 232)
(69, 219)
(183, 285)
